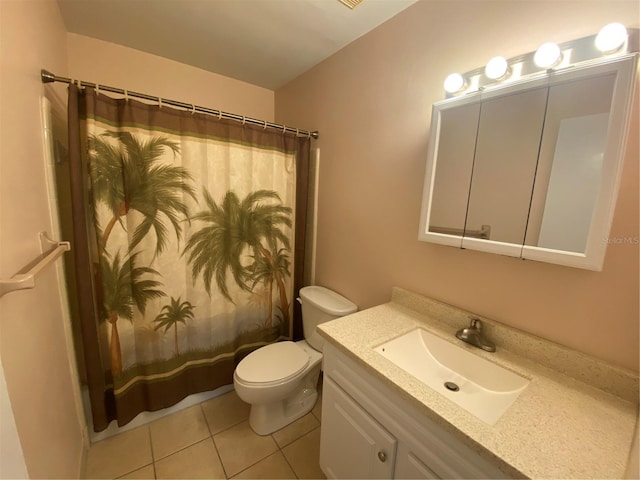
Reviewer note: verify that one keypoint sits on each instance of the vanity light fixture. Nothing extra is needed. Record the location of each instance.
(497, 68)
(611, 37)
(612, 40)
(548, 55)
(454, 83)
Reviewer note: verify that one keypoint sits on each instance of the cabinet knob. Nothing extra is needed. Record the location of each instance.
(382, 456)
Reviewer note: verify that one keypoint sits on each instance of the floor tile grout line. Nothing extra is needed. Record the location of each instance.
(134, 470)
(230, 426)
(280, 449)
(220, 456)
(184, 447)
(289, 463)
(316, 416)
(215, 446)
(181, 449)
(255, 463)
(299, 436)
(226, 428)
(141, 466)
(211, 435)
(308, 433)
(153, 458)
(205, 418)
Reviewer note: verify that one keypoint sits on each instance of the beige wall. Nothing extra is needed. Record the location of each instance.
(106, 63)
(372, 102)
(34, 344)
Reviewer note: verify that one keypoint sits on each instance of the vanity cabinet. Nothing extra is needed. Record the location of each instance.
(369, 431)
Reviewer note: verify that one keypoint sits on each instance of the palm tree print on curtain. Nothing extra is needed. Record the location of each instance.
(125, 177)
(265, 270)
(172, 314)
(247, 240)
(123, 287)
(232, 227)
(130, 176)
(192, 222)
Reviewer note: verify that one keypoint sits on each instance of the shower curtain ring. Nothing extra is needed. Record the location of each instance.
(193, 108)
(284, 129)
(297, 132)
(309, 134)
(159, 102)
(97, 90)
(264, 127)
(126, 96)
(219, 114)
(244, 119)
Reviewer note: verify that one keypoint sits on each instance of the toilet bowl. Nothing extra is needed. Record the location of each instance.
(279, 380)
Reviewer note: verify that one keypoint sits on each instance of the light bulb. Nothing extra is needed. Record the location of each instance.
(454, 83)
(496, 68)
(611, 37)
(547, 55)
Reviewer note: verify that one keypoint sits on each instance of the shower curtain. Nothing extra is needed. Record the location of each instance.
(188, 247)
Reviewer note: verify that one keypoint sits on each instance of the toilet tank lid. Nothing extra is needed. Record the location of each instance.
(327, 300)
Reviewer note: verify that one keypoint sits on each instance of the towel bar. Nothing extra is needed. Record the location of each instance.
(484, 232)
(51, 250)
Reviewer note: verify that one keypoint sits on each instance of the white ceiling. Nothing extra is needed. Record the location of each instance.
(263, 42)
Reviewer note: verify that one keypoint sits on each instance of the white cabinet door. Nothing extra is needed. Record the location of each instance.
(352, 443)
(408, 465)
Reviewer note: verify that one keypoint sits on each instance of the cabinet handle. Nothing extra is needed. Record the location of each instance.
(382, 456)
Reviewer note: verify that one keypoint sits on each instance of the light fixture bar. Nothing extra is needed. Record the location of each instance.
(573, 52)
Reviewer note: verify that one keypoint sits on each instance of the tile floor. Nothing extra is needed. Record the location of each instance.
(210, 440)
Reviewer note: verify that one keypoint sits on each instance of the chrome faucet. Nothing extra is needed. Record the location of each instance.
(473, 336)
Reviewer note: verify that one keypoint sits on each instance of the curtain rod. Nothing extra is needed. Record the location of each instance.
(48, 77)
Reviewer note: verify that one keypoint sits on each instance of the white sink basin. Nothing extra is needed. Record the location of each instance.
(485, 389)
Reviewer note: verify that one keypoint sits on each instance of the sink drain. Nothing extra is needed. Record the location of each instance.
(451, 386)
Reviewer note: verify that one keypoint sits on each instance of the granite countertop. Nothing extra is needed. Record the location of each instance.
(559, 427)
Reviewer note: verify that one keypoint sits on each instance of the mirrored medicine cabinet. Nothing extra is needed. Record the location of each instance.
(531, 168)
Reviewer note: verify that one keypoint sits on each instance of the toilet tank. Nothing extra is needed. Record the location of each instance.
(321, 305)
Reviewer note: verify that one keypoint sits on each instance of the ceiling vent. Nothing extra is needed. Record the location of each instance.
(351, 3)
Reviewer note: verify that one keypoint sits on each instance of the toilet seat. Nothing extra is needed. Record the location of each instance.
(271, 364)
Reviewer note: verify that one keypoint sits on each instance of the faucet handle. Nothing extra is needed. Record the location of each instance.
(475, 323)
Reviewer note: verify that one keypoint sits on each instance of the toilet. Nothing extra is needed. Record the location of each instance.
(279, 380)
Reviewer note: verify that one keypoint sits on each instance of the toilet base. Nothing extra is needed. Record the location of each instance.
(266, 418)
